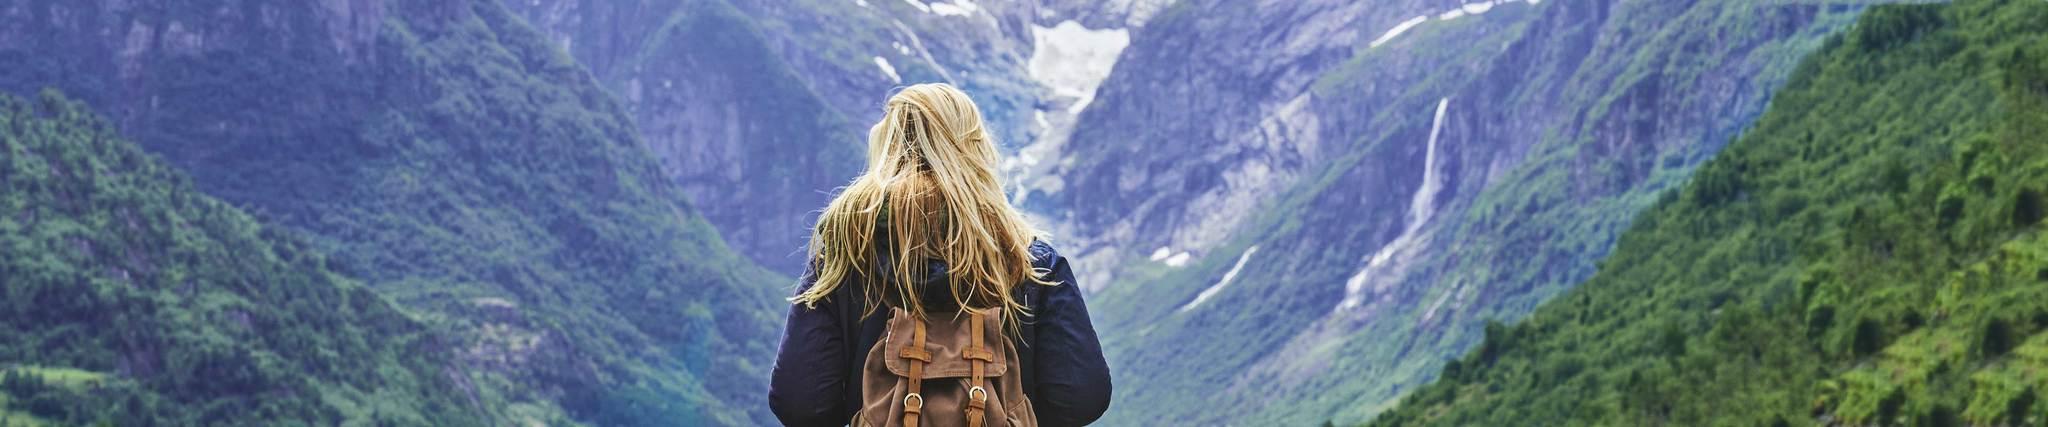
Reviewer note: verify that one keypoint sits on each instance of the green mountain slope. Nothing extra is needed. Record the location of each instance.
(1466, 169)
(455, 161)
(129, 297)
(1870, 252)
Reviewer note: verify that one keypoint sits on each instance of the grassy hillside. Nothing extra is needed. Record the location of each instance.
(1870, 252)
(455, 161)
(131, 298)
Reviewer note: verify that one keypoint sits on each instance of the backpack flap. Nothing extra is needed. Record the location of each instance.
(946, 337)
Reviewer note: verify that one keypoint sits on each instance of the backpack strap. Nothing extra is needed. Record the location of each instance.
(977, 395)
(913, 403)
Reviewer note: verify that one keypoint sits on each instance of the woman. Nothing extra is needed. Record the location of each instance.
(926, 229)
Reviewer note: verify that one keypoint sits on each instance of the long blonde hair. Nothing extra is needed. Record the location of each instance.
(930, 192)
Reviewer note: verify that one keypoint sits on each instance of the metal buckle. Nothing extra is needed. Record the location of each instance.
(906, 401)
(977, 389)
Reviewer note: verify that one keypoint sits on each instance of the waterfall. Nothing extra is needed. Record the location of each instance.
(1423, 204)
(1421, 207)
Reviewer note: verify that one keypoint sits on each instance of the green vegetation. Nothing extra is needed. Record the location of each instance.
(448, 157)
(131, 298)
(1870, 252)
(45, 391)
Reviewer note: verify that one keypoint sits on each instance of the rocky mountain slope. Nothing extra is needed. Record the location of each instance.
(449, 157)
(734, 125)
(759, 108)
(1869, 253)
(1316, 217)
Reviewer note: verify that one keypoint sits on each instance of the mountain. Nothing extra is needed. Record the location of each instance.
(759, 109)
(452, 159)
(132, 299)
(753, 148)
(1295, 213)
(1869, 253)
(558, 212)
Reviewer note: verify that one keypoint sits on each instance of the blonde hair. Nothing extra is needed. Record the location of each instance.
(930, 192)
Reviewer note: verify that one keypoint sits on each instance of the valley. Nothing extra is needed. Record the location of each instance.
(1385, 212)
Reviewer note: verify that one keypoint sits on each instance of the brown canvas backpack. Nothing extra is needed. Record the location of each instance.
(948, 370)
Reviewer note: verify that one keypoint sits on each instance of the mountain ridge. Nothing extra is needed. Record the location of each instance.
(451, 158)
(1560, 118)
(1868, 253)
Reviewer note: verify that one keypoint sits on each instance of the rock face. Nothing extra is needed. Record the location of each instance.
(733, 124)
(451, 158)
(1376, 182)
(1205, 119)
(759, 109)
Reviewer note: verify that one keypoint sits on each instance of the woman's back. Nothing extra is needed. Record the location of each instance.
(1064, 375)
(927, 230)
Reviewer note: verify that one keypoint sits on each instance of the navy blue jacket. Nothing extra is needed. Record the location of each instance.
(817, 372)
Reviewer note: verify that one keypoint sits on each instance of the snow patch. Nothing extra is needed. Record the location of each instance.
(887, 69)
(1218, 287)
(1080, 105)
(1398, 29)
(956, 8)
(1178, 259)
(953, 8)
(494, 302)
(1162, 253)
(1072, 59)
(1461, 11)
